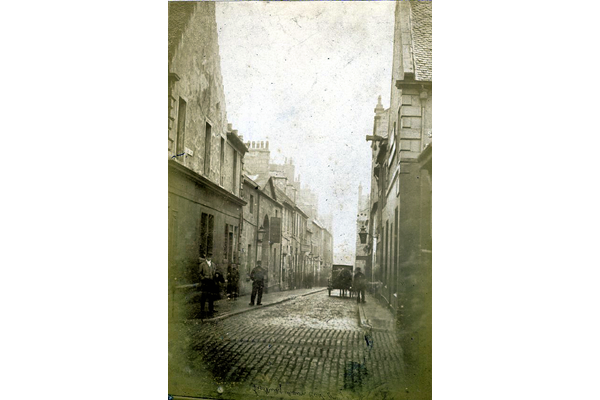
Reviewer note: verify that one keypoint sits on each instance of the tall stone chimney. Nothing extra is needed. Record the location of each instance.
(256, 160)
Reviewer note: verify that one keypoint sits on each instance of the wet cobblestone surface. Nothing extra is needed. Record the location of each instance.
(309, 347)
(316, 311)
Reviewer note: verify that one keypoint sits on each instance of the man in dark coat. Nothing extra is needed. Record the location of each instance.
(359, 284)
(258, 276)
(208, 284)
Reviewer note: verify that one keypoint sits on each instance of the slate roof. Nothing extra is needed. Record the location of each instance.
(261, 179)
(251, 179)
(282, 197)
(422, 42)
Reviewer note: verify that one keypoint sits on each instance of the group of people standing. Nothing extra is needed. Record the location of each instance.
(210, 281)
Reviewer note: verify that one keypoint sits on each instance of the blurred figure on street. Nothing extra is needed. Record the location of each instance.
(345, 279)
(258, 281)
(233, 279)
(359, 284)
(309, 282)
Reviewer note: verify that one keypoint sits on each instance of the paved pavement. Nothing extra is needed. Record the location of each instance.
(373, 315)
(311, 346)
(228, 307)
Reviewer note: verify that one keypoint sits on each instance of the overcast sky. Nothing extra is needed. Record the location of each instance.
(306, 76)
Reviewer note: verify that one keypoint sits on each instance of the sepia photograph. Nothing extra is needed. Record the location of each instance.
(299, 200)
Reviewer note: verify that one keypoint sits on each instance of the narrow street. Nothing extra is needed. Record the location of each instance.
(309, 347)
(302, 162)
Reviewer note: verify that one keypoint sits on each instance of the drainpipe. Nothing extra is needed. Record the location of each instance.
(423, 99)
(257, 227)
(281, 255)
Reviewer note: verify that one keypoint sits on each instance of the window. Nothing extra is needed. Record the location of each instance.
(222, 160)
(385, 254)
(384, 183)
(251, 204)
(395, 283)
(229, 243)
(206, 233)
(180, 140)
(207, 145)
(235, 244)
(235, 189)
(249, 258)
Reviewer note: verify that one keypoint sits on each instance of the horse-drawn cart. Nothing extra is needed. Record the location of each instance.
(341, 278)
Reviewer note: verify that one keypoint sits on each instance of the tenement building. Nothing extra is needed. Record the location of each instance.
(400, 208)
(205, 155)
(261, 239)
(303, 252)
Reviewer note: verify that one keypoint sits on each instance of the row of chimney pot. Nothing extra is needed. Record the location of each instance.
(257, 145)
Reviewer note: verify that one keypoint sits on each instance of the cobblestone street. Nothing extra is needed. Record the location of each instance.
(278, 182)
(311, 346)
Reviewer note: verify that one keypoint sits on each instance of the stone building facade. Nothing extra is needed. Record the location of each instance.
(396, 152)
(400, 207)
(205, 155)
(262, 211)
(298, 261)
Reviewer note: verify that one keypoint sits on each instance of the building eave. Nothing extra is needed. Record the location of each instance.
(250, 182)
(204, 181)
(237, 143)
(301, 212)
(402, 83)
